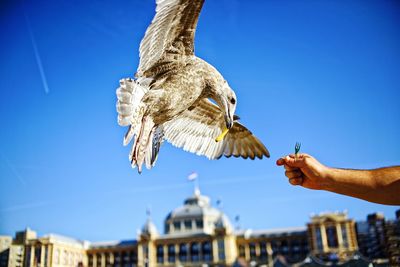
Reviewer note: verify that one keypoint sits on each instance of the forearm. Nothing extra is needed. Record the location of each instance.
(379, 185)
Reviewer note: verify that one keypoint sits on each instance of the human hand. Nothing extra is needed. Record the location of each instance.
(304, 170)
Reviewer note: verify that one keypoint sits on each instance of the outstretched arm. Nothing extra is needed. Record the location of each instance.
(378, 185)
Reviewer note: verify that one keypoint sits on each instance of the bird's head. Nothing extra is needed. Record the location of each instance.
(226, 100)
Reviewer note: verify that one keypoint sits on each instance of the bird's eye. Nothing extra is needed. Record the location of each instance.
(233, 101)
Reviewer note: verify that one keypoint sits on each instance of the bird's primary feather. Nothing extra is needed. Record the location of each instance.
(169, 97)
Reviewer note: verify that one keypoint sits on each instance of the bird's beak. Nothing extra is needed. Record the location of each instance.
(229, 118)
(228, 121)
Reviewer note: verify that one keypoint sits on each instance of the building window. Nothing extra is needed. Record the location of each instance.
(28, 256)
(207, 251)
(171, 253)
(252, 248)
(304, 246)
(295, 246)
(177, 226)
(199, 224)
(331, 235)
(274, 247)
(344, 236)
(318, 237)
(188, 224)
(241, 251)
(285, 247)
(117, 258)
(38, 253)
(221, 249)
(194, 251)
(98, 260)
(108, 259)
(133, 256)
(160, 254)
(125, 259)
(183, 252)
(90, 260)
(263, 251)
(167, 228)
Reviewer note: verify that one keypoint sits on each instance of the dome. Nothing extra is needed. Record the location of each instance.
(149, 228)
(223, 223)
(196, 215)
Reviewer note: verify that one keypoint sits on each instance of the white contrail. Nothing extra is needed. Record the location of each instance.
(37, 55)
(24, 206)
(13, 169)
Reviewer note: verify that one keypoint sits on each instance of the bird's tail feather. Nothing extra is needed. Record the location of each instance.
(157, 140)
(147, 137)
(143, 144)
(129, 95)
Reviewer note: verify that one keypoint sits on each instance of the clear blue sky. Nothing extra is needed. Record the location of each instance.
(325, 73)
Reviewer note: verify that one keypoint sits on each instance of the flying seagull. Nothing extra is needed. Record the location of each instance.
(170, 95)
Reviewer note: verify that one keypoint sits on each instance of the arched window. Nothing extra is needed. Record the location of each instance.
(183, 250)
(194, 251)
(207, 251)
(160, 254)
(171, 253)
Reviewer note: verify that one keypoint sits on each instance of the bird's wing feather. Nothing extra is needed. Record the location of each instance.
(171, 30)
(195, 131)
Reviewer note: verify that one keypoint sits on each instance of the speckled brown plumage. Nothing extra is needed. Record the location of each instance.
(169, 99)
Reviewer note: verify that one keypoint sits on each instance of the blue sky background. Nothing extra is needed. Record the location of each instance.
(325, 73)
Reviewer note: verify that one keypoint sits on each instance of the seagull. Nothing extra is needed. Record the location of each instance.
(179, 97)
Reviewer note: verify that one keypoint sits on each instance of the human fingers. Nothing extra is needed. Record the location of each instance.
(293, 174)
(283, 160)
(295, 161)
(296, 181)
(280, 161)
(288, 168)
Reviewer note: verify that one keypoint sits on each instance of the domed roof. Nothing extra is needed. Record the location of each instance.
(149, 228)
(196, 215)
(223, 223)
(196, 205)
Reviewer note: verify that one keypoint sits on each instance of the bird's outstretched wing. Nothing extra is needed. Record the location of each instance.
(195, 131)
(171, 31)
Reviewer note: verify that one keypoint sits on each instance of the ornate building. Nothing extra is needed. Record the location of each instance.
(12, 251)
(332, 236)
(56, 251)
(197, 234)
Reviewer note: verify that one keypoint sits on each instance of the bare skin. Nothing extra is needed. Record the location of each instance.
(378, 185)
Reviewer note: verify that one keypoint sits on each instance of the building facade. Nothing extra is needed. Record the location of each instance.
(198, 234)
(371, 236)
(332, 236)
(392, 232)
(5, 244)
(55, 251)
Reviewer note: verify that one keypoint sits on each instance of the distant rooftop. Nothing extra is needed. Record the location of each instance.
(66, 240)
(105, 244)
(270, 232)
